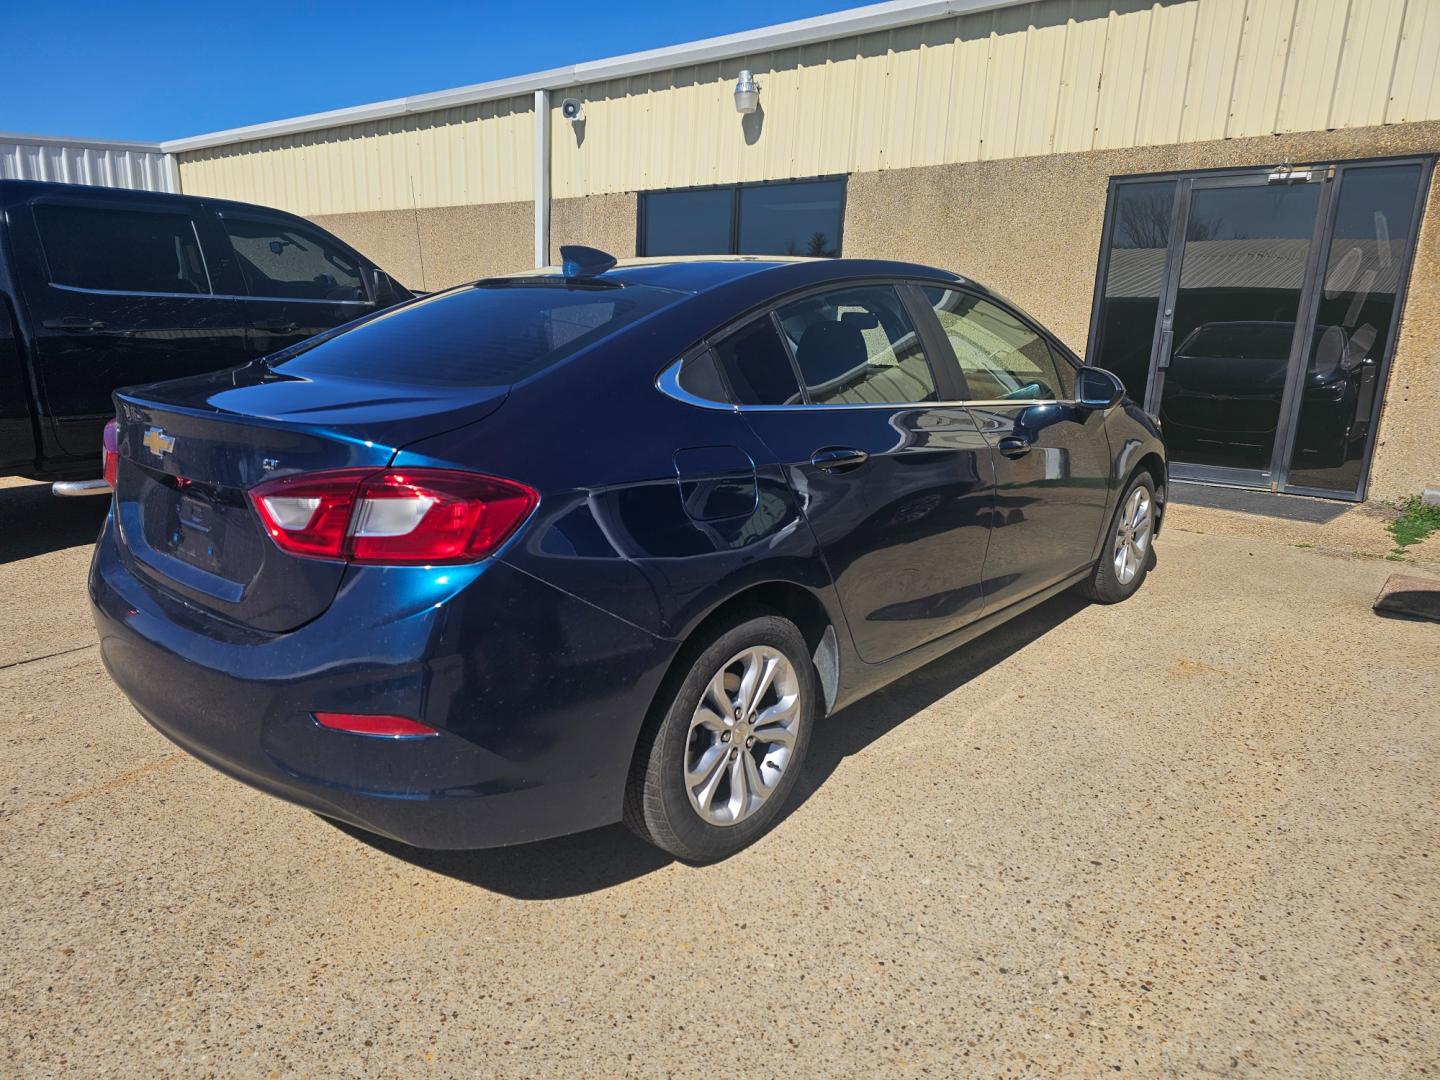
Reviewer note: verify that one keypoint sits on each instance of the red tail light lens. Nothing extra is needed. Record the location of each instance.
(387, 727)
(110, 452)
(395, 516)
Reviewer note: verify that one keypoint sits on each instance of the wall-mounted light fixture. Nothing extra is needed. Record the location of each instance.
(747, 94)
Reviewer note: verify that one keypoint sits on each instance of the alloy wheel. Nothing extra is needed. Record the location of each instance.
(742, 735)
(1132, 535)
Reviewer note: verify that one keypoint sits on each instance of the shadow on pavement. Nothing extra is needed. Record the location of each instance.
(602, 858)
(34, 522)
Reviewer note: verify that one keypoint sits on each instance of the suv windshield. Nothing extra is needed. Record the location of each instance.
(491, 334)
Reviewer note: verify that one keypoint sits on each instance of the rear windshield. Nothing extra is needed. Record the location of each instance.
(482, 335)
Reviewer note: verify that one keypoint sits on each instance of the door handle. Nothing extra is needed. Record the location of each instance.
(276, 326)
(1014, 446)
(833, 459)
(74, 324)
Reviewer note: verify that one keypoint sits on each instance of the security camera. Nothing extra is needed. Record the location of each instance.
(572, 109)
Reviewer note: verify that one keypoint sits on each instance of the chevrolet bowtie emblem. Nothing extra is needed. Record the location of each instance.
(157, 442)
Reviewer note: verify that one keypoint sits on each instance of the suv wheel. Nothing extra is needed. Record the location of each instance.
(717, 770)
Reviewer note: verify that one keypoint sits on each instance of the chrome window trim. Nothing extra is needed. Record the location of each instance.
(204, 296)
(668, 383)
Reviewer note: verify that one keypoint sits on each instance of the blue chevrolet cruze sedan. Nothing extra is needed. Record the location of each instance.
(545, 552)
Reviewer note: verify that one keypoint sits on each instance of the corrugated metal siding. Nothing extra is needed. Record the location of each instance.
(1047, 77)
(1051, 76)
(465, 155)
(106, 165)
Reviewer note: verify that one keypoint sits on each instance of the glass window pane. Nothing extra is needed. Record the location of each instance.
(122, 250)
(791, 219)
(281, 259)
(1352, 329)
(857, 346)
(480, 336)
(757, 367)
(687, 222)
(1001, 358)
(1139, 237)
(1243, 266)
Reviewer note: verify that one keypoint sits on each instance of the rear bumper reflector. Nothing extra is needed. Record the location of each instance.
(383, 727)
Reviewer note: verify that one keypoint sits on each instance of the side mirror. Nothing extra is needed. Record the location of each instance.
(1096, 388)
(386, 290)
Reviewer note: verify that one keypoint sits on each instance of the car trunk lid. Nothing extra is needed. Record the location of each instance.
(191, 450)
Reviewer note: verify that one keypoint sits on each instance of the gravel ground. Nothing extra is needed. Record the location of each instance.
(1193, 834)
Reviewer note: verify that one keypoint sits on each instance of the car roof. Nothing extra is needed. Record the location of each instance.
(697, 274)
(15, 192)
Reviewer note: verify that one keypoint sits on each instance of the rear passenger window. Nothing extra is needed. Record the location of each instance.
(857, 346)
(1001, 358)
(121, 250)
(757, 367)
(285, 261)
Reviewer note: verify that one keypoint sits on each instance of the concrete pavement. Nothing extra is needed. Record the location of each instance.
(1192, 834)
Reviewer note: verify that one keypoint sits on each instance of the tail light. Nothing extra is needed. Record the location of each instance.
(110, 452)
(395, 516)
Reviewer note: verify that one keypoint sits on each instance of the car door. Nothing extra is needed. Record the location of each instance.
(1052, 457)
(298, 280)
(17, 432)
(118, 292)
(897, 486)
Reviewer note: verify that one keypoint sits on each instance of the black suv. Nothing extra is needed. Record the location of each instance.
(102, 288)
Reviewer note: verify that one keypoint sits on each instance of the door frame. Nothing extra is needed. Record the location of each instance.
(1163, 345)
(1332, 172)
(1338, 172)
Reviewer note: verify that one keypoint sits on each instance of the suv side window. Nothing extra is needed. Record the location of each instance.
(755, 364)
(857, 346)
(282, 260)
(1001, 358)
(92, 247)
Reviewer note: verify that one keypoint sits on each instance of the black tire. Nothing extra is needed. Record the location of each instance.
(1104, 586)
(658, 806)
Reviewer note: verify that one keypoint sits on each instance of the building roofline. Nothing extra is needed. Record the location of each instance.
(78, 143)
(862, 20)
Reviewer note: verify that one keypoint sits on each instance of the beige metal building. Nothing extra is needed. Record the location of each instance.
(1228, 202)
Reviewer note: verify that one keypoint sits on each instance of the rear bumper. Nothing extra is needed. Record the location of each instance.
(538, 698)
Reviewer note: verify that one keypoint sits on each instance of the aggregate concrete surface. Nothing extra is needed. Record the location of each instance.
(1193, 834)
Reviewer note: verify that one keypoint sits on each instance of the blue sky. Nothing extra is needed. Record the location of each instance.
(161, 70)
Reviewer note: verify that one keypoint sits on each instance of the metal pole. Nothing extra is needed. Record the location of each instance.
(542, 178)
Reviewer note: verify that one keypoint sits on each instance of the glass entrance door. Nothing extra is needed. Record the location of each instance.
(1255, 312)
(1230, 336)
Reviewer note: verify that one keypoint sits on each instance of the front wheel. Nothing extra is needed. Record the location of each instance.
(1126, 553)
(718, 768)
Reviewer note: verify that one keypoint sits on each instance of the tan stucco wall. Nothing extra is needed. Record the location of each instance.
(606, 222)
(461, 243)
(435, 247)
(1030, 229)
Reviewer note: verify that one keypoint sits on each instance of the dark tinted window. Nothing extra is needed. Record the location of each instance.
(123, 250)
(757, 367)
(479, 336)
(794, 218)
(1130, 299)
(699, 376)
(791, 219)
(281, 259)
(687, 222)
(857, 347)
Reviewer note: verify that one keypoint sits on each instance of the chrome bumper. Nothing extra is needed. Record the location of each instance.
(70, 488)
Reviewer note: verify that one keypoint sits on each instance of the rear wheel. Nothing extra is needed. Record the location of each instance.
(1125, 556)
(717, 769)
